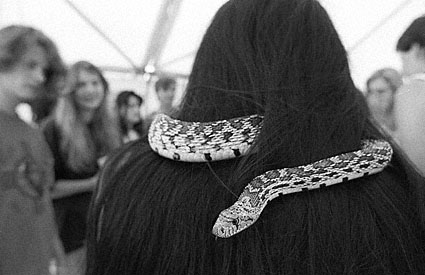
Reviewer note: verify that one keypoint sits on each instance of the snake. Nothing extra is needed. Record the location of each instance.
(370, 159)
(203, 141)
(224, 139)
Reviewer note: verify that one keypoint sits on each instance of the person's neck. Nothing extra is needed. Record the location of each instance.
(166, 108)
(130, 126)
(7, 103)
(87, 116)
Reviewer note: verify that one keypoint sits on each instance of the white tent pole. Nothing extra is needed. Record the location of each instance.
(177, 59)
(160, 33)
(103, 34)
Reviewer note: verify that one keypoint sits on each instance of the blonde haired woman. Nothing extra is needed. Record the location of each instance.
(80, 132)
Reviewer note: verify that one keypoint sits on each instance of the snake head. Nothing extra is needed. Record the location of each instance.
(235, 219)
(226, 225)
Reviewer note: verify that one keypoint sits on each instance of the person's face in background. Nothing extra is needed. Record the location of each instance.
(413, 60)
(379, 95)
(166, 96)
(90, 92)
(131, 112)
(24, 81)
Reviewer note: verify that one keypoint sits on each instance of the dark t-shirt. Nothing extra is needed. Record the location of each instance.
(26, 223)
(71, 212)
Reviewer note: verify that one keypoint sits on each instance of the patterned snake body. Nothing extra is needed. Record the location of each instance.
(371, 159)
(212, 141)
(203, 141)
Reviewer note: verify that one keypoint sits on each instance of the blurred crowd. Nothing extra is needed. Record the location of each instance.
(71, 129)
(52, 164)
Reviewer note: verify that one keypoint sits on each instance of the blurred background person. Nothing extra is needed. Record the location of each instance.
(29, 65)
(165, 89)
(281, 60)
(409, 106)
(381, 87)
(80, 132)
(128, 105)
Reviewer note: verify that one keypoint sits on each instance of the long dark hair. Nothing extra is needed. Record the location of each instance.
(284, 60)
(121, 101)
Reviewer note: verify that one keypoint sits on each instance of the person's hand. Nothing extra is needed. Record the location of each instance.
(29, 178)
(59, 257)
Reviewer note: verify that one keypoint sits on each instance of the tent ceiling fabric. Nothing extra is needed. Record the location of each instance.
(131, 23)
(161, 31)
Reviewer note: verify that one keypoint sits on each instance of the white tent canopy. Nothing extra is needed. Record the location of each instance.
(138, 35)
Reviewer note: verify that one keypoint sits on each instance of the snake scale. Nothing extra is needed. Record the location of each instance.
(200, 141)
(212, 141)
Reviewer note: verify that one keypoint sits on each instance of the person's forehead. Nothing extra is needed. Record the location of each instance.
(35, 53)
(85, 75)
(378, 83)
(132, 100)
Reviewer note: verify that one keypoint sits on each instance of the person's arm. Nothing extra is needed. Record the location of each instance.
(66, 188)
(410, 122)
(58, 250)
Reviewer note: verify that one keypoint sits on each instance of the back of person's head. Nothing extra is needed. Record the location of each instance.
(15, 41)
(414, 34)
(281, 59)
(164, 83)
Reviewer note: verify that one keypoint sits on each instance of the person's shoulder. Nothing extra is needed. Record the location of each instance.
(418, 77)
(12, 125)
